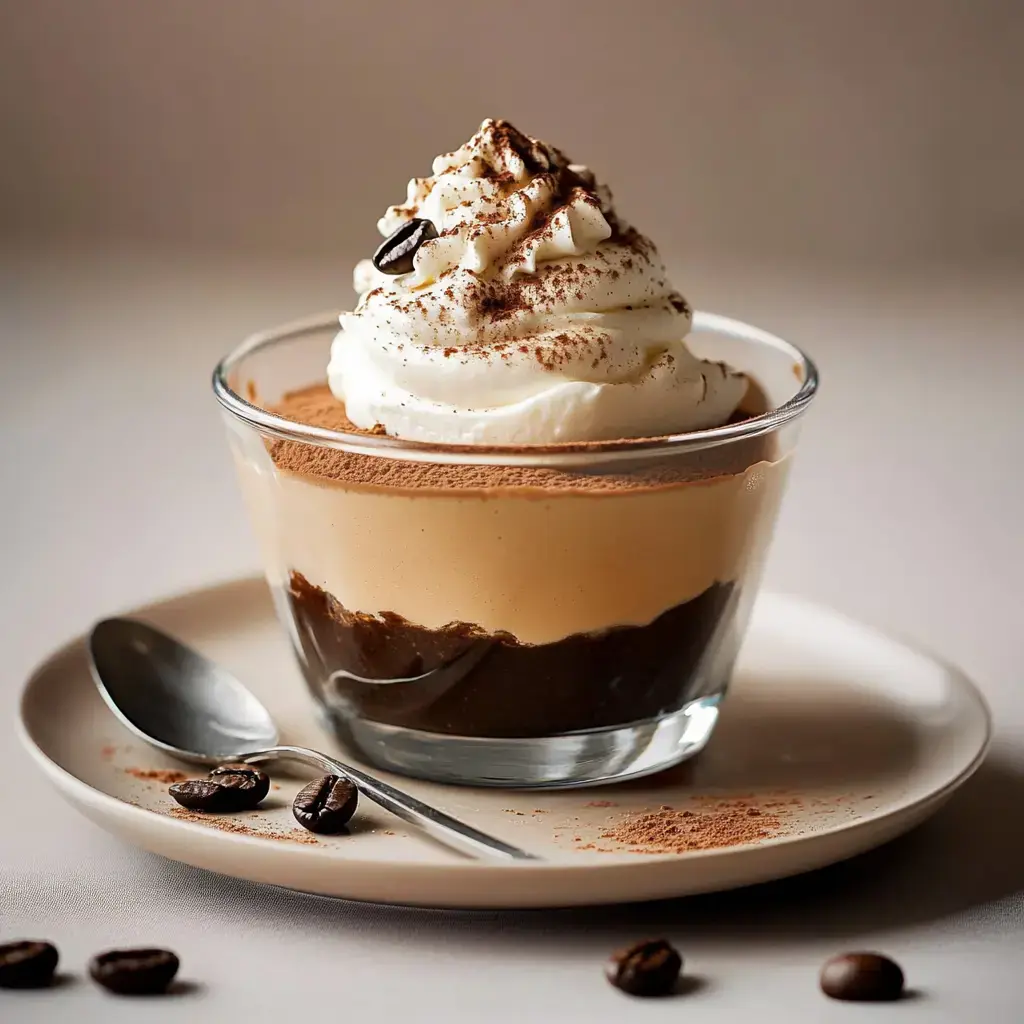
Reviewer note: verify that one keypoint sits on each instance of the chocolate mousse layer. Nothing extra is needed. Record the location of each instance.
(462, 680)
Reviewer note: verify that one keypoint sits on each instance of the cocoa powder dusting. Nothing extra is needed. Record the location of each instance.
(240, 829)
(715, 825)
(165, 775)
(316, 406)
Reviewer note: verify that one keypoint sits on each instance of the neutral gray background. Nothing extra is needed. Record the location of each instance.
(848, 174)
(867, 130)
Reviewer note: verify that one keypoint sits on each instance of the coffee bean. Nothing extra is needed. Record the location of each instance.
(326, 804)
(395, 253)
(201, 795)
(213, 797)
(231, 787)
(254, 781)
(134, 972)
(862, 977)
(649, 968)
(27, 964)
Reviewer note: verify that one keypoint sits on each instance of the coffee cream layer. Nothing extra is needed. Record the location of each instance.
(540, 563)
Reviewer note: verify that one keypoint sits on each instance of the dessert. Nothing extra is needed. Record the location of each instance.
(483, 550)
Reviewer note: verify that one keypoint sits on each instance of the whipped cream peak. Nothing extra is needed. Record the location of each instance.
(535, 316)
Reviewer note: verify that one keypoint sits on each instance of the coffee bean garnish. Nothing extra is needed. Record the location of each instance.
(250, 776)
(649, 968)
(394, 255)
(326, 805)
(134, 972)
(27, 964)
(862, 977)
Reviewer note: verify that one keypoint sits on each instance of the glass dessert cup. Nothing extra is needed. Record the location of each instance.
(533, 616)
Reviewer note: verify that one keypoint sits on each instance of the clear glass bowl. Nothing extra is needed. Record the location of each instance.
(532, 616)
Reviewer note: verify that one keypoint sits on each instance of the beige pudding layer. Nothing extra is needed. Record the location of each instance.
(542, 555)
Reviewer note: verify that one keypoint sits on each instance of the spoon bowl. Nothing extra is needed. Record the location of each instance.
(173, 697)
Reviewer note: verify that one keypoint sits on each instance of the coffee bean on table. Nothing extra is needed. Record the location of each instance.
(326, 804)
(134, 972)
(649, 968)
(394, 255)
(253, 781)
(862, 977)
(27, 964)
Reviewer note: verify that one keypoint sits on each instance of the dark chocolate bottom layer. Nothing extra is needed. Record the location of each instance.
(463, 681)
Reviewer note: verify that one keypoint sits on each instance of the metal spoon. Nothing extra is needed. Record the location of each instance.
(177, 700)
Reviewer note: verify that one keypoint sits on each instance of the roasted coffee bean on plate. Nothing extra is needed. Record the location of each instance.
(203, 795)
(394, 255)
(246, 777)
(134, 972)
(326, 804)
(27, 964)
(649, 968)
(862, 977)
(231, 787)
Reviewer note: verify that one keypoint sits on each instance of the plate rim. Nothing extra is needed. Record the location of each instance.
(81, 794)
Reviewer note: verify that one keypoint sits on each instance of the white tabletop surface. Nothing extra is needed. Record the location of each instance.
(906, 509)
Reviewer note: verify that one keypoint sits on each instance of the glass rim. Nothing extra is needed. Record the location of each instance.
(539, 456)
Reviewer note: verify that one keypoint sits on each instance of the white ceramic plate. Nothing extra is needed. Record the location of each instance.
(838, 737)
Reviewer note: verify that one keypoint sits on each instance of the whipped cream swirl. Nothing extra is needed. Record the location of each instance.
(536, 316)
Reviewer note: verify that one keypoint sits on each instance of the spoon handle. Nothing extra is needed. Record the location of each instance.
(441, 826)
